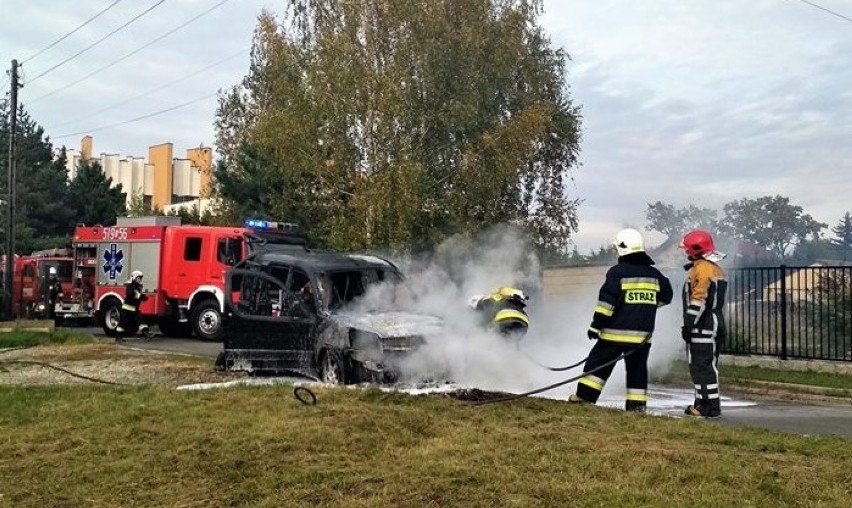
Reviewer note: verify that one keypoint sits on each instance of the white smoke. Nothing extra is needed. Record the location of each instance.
(470, 356)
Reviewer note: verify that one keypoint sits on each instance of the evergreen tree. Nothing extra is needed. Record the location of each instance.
(41, 208)
(91, 197)
(842, 241)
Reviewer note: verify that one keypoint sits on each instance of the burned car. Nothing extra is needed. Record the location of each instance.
(308, 313)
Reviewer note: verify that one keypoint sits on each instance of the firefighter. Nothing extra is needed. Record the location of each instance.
(53, 293)
(504, 311)
(130, 319)
(623, 322)
(703, 323)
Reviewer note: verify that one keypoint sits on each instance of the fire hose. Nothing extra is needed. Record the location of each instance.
(563, 382)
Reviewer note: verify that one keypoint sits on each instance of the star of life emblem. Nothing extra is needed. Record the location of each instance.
(113, 261)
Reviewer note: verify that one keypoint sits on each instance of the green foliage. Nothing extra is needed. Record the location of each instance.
(396, 124)
(46, 206)
(40, 185)
(674, 222)
(770, 221)
(193, 215)
(91, 197)
(842, 241)
(833, 316)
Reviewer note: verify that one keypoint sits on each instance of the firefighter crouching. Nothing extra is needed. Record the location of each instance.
(623, 322)
(503, 311)
(130, 319)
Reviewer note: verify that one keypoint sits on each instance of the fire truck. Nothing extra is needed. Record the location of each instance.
(183, 265)
(29, 280)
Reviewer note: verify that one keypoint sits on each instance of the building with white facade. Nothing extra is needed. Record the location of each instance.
(161, 180)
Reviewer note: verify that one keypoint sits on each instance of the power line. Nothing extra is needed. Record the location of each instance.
(128, 55)
(138, 118)
(105, 37)
(157, 89)
(72, 32)
(841, 16)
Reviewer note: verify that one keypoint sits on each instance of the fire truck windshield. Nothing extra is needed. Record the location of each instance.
(64, 269)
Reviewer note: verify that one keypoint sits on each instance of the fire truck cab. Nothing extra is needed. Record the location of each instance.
(30, 280)
(183, 265)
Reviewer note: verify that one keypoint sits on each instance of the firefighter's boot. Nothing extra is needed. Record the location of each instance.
(574, 399)
(705, 409)
(637, 406)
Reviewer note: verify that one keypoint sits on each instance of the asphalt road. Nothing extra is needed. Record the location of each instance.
(791, 417)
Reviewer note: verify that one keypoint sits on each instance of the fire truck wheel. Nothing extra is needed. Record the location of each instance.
(207, 320)
(110, 314)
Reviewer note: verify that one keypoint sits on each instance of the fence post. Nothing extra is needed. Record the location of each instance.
(783, 312)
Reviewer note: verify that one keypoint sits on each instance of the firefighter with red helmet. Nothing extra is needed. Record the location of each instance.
(624, 321)
(703, 321)
(130, 320)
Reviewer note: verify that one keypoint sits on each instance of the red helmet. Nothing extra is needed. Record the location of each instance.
(697, 244)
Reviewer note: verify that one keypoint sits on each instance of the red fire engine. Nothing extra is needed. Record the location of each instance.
(29, 280)
(183, 268)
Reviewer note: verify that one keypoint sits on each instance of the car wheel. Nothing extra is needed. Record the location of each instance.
(111, 316)
(207, 320)
(333, 369)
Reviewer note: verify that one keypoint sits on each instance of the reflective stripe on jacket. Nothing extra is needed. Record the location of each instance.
(626, 310)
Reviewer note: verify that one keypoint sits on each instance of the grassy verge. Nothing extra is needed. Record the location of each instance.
(259, 447)
(679, 373)
(26, 338)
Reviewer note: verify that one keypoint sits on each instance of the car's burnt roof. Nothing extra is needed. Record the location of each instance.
(320, 260)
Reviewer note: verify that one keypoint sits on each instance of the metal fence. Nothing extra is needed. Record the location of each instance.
(791, 312)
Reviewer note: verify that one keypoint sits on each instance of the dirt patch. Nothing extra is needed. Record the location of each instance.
(45, 365)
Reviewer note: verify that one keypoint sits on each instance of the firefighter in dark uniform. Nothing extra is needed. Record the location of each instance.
(130, 321)
(504, 311)
(624, 321)
(54, 291)
(703, 323)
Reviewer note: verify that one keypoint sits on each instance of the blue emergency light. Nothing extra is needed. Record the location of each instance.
(260, 224)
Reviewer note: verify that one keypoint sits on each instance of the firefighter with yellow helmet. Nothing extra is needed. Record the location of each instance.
(623, 322)
(504, 311)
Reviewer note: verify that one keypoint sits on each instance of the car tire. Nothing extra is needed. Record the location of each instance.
(110, 316)
(333, 369)
(207, 321)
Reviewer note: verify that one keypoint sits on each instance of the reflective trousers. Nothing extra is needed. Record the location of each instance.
(590, 386)
(703, 355)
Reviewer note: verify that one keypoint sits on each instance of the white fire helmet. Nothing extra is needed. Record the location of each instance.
(628, 241)
(473, 303)
(51, 270)
(136, 273)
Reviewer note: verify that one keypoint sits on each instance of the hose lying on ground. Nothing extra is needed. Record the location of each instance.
(560, 383)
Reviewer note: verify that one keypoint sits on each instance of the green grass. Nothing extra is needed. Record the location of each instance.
(26, 338)
(258, 447)
(679, 373)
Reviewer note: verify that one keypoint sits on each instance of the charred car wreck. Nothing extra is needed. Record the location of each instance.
(305, 313)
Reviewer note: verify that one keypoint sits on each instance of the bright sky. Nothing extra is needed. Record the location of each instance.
(700, 102)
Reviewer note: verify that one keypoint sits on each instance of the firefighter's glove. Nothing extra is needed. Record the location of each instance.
(143, 298)
(685, 334)
(593, 334)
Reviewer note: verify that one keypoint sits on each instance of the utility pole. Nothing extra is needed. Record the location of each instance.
(10, 197)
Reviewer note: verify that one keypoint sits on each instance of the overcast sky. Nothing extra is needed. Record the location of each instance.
(688, 102)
